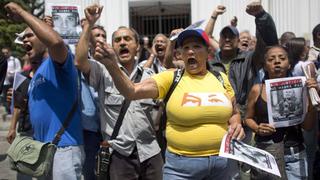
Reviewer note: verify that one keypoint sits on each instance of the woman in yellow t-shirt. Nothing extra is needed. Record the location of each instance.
(199, 111)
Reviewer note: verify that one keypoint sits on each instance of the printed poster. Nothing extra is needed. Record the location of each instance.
(287, 101)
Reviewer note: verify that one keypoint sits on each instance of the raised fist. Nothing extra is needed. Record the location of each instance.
(254, 8)
(234, 21)
(220, 9)
(14, 11)
(93, 13)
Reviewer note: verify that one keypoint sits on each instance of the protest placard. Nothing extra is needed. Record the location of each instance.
(66, 21)
(286, 100)
(237, 150)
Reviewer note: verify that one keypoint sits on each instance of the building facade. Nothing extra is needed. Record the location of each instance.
(152, 16)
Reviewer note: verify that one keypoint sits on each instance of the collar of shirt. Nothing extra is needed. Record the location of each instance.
(136, 67)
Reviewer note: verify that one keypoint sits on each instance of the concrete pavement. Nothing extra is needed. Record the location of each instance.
(5, 171)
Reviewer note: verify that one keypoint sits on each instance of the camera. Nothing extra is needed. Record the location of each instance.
(102, 162)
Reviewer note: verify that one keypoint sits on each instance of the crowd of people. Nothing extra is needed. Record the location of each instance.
(174, 99)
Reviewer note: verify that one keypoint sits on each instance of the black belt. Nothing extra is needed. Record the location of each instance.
(296, 149)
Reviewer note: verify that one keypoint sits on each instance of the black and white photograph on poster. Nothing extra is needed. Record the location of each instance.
(237, 150)
(66, 21)
(286, 99)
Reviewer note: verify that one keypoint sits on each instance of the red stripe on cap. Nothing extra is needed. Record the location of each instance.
(205, 37)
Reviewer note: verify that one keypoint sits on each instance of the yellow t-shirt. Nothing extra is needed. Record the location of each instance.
(198, 112)
(227, 66)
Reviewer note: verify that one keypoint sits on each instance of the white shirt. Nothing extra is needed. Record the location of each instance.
(136, 129)
(14, 66)
(297, 70)
(313, 53)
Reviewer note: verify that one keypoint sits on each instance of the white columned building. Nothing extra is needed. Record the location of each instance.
(298, 16)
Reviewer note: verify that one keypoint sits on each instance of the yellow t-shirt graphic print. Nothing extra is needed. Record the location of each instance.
(205, 99)
(198, 112)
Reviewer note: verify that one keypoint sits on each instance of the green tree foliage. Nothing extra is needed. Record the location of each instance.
(8, 28)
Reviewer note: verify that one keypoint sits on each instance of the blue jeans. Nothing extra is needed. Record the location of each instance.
(296, 165)
(277, 151)
(310, 140)
(67, 163)
(91, 146)
(179, 167)
(21, 176)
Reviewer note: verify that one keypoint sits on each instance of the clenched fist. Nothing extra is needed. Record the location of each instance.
(220, 9)
(14, 11)
(254, 8)
(93, 13)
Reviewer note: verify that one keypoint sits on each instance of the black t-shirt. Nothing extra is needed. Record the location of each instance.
(261, 116)
(3, 70)
(293, 136)
(21, 102)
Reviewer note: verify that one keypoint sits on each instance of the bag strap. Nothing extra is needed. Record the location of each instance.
(68, 118)
(176, 78)
(219, 77)
(124, 108)
(217, 73)
(65, 124)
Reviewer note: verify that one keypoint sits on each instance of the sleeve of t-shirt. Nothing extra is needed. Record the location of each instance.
(68, 65)
(3, 71)
(164, 81)
(227, 84)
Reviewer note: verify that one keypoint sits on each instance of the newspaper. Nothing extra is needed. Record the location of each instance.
(237, 150)
(313, 94)
(66, 21)
(18, 80)
(286, 99)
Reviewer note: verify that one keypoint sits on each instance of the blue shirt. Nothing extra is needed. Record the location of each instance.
(52, 92)
(89, 108)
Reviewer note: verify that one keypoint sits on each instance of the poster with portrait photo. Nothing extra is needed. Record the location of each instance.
(237, 150)
(66, 21)
(286, 100)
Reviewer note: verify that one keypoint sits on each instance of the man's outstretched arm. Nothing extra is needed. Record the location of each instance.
(57, 49)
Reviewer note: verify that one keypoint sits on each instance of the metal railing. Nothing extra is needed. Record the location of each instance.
(151, 20)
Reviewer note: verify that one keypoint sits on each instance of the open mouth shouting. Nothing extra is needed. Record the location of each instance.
(28, 48)
(160, 50)
(277, 69)
(245, 45)
(192, 63)
(30, 52)
(124, 53)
